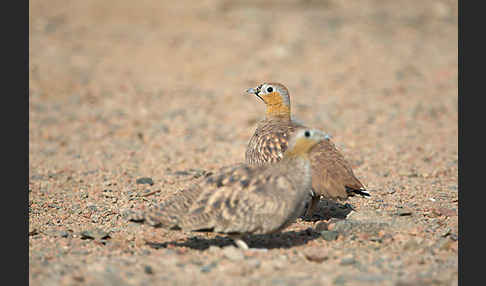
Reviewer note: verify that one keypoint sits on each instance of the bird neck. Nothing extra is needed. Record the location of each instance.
(278, 110)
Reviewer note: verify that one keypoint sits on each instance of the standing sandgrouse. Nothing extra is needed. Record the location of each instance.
(241, 200)
(332, 176)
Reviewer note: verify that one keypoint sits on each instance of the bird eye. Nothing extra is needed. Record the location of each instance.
(307, 134)
(269, 89)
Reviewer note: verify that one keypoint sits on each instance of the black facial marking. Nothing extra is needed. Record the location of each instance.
(259, 88)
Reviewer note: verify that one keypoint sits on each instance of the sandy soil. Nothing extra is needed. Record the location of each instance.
(122, 91)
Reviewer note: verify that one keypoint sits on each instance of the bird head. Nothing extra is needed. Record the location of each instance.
(276, 98)
(303, 140)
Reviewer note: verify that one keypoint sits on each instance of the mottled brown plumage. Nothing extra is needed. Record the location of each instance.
(243, 200)
(332, 176)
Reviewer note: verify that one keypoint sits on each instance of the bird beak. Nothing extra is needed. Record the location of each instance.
(255, 91)
(252, 91)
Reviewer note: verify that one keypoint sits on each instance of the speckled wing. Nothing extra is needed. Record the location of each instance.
(268, 143)
(168, 213)
(246, 201)
(241, 200)
(332, 175)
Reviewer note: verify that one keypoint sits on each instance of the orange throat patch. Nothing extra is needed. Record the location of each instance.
(275, 106)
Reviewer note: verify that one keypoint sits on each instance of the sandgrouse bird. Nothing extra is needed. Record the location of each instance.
(332, 176)
(242, 200)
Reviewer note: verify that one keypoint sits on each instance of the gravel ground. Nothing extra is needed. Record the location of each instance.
(129, 103)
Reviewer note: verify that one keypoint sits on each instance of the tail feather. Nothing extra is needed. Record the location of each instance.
(167, 214)
(155, 218)
(361, 192)
(161, 219)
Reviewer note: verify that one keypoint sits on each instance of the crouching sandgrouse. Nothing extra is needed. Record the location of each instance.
(243, 200)
(332, 176)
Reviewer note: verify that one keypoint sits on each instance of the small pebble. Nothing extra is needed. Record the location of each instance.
(404, 212)
(446, 233)
(109, 183)
(96, 234)
(348, 261)
(148, 269)
(316, 254)
(321, 226)
(63, 233)
(233, 253)
(329, 235)
(207, 268)
(376, 239)
(444, 211)
(145, 180)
